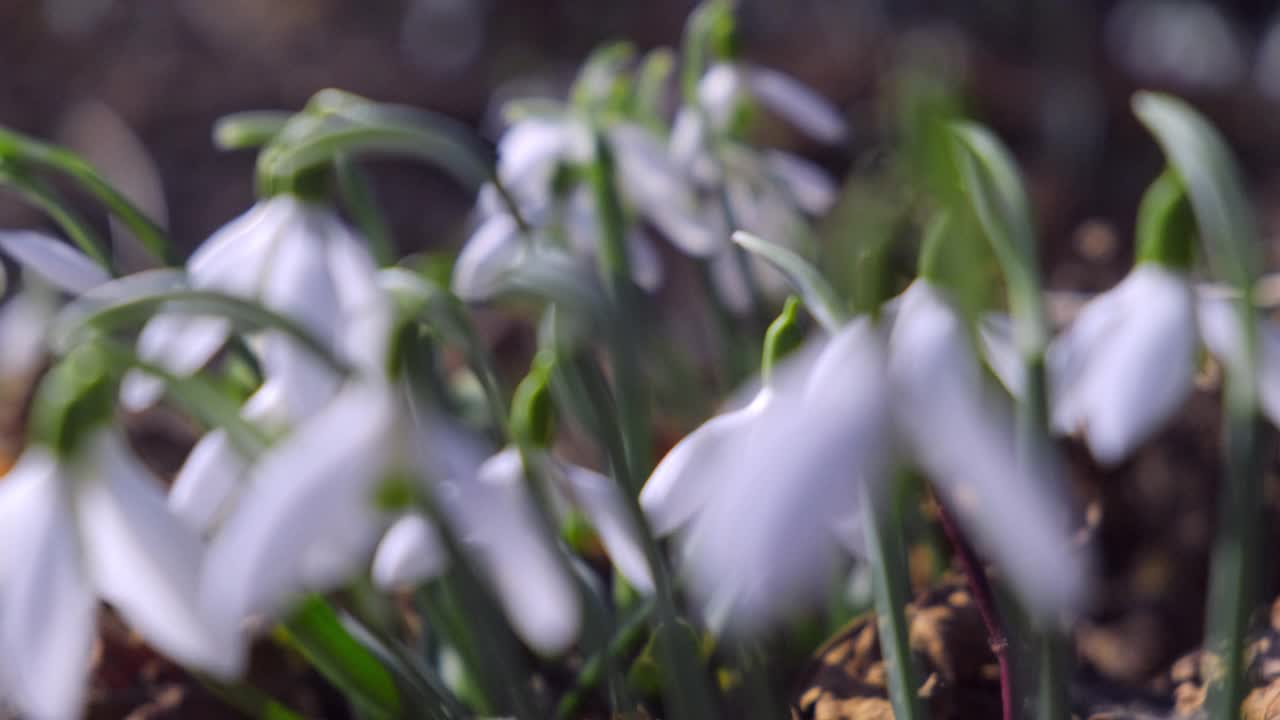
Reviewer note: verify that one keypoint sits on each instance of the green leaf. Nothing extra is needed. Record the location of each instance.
(1204, 162)
(818, 296)
(994, 190)
(251, 129)
(313, 629)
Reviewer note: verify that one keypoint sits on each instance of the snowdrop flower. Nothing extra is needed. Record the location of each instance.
(93, 524)
(1220, 331)
(296, 258)
(764, 519)
(727, 84)
(308, 519)
(25, 317)
(768, 193)
(530, 156)
(498, 523)
(1127, 362)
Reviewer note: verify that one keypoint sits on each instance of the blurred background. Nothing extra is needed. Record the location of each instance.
(135, 85)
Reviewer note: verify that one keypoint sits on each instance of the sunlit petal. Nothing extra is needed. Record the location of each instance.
(779, 517)
(319, 477)
(808, 185)
(497, 521)
(24, 322)
(180, 344)
(686, 479)
(411, 552)
(53, 261)
(604, 506)
(1137, 370)
(146, 562)
(47, 606)
(208, 482)
(493, 249)
(962, 434)
(794, 101)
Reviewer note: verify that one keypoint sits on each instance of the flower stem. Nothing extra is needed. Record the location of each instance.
(985, 601)
(687, 693)
(56, 207)
(615, 272)
(29, 150)
(887, 552)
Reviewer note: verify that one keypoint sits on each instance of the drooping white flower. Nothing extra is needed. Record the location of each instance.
(25, 317)
(298, 259)
(768, 500)
(77, 529)
(1127, 362)
(1220, 331)
(308, 518)
(727, 84)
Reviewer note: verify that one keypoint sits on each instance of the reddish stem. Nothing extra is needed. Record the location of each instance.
(980, 588)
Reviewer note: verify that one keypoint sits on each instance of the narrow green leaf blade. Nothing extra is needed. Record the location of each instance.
(813, 289)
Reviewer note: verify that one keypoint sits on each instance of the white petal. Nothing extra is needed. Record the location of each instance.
(24, 322)
(319, 477)
(498, 522)
(410, 553)
(807, 184)
(687, 477)
(182, 344)
(209, 482)
(301, 381)
(529, 152)
(602, 503)
(53, 261)
(47, 608)
(1143, 372)
(730, 281)
(493, 249)
(688, 146)
(1000, 350)
(962, 435)
(646, 266)
(687, 230)
(234, 259)
(778, 519)
(367, 310)
(801, 106)
(298, 283)
(719, 91)
(131, 287)
(145, 562)
(1220, 331)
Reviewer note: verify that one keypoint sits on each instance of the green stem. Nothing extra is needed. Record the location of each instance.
(627, 635)
(138, 308)
(249, 700)
(886, 552)
(30, 150)
(685, 687)
(251, 129)
(56, 207)
(615, 272)
(357, 192)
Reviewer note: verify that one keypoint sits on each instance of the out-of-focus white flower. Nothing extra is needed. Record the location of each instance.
(1220, 330)
(727, 84)
(1188, 43)
(495, 517)
(308, 519)
(93, 526)
(768, 192)
(531, 153)
(766, 498)
(298, 259)
(1127, 362)
(25, 317)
